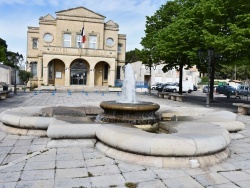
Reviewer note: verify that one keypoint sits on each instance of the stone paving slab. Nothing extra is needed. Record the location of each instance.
(87, 167)
(37, 183)
(211, 179)
(187, 182)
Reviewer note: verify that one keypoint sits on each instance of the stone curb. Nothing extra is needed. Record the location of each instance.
(164, 162)
(24, 132)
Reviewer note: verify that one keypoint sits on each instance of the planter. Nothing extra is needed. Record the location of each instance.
(115, 89)
(141, 90)
(47, 87)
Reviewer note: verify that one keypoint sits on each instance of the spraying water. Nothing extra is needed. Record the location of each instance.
(128, 88)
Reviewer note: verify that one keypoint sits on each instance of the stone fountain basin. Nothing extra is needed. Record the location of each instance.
(189, 141)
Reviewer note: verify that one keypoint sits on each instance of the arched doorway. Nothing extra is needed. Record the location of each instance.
(102, 73)
(56, 72)
(78, 72)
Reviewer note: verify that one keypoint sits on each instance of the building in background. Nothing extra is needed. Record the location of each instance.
(142, 74)
(5, 74)
(76, 48)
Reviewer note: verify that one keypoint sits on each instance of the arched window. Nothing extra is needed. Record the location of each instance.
(33, 68)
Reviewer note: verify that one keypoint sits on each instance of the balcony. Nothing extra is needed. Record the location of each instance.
(57, 50)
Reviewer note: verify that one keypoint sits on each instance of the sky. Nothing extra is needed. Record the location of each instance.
(130, 15)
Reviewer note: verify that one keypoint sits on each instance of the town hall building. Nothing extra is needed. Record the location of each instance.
(56, 54)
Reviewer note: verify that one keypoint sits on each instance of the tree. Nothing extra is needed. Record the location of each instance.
(223, 25)
(14, 60)
(24, 75)
(133, 55)
(173, 40)
(3, 50)
(160, 20)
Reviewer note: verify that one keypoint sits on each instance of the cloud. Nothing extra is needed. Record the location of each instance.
(19, 14)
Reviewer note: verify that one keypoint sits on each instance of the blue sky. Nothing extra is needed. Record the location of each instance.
(17, 15)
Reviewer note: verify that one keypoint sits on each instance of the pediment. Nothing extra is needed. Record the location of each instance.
(80, 12)
(110, 23)
(48, 17)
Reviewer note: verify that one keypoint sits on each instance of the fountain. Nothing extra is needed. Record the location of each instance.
(198, 138)
(128, 110)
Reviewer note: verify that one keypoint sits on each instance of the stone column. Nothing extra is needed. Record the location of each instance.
(67, 76)
(111, 79)
(92, 77)
(45, 76)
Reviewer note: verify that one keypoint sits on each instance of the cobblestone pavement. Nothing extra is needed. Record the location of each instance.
(87, 167)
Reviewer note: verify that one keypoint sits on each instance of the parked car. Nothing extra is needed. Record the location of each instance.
(3, 86)
(171, 87)
(226, 90)
(154, 86)
(221, 89)
(205, 89)
(195, 88)
(243, 90)
(160, 87)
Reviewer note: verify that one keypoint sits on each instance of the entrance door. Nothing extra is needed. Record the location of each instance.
(78, 77)
(78, 73)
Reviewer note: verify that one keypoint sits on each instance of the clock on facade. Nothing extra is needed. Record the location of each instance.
(110, 41)
(48, 37)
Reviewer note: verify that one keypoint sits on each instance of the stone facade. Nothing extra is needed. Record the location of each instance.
(56, 55)
(5, 74)
(142, 74)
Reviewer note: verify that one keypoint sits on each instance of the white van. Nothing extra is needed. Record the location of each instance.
(186, 87)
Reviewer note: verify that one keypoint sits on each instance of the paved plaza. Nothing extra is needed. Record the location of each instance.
(25, 161)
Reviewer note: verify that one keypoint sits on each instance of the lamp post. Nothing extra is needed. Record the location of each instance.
(15, 58)
(30, 67)
(150, 65)
(207, 57)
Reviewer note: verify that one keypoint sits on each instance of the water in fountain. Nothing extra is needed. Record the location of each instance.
(128, 88)
(128, 110)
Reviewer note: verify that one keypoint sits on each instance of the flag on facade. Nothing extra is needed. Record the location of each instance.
(83, 36)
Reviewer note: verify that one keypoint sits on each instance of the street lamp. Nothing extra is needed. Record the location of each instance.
(150, 65)
(30, 67)
(209, 56)
(15, 58)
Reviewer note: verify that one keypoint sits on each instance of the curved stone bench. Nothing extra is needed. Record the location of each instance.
(217, 117)
(186, 144)
(19, 131)
(24, 120)
(189, 146)
(188, 141)
(164, 162)
(61, 129)
(185, 140)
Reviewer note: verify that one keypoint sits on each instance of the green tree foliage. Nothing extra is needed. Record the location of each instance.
(160, 20)
(133, 55)
(233, 72)
(24, 75)
(14, 59)
(223, 25)
(3, 50)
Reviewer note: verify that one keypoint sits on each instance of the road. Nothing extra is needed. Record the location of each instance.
(220, 101)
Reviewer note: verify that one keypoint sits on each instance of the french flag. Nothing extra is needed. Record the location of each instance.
(83, 35)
